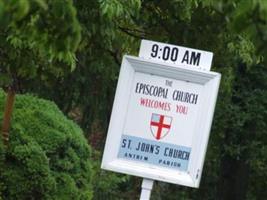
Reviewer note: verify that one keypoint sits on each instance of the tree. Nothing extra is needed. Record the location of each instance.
(36, 36)
(90, 94)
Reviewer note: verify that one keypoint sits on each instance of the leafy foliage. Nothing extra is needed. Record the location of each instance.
(48, 157)
(104, 39)
(37, 36)
(1, 168)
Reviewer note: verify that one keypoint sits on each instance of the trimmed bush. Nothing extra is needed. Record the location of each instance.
(47, 157)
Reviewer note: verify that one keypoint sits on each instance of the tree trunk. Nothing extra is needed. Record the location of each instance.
(10, 99)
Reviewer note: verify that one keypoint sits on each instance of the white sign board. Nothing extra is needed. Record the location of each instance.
(160, 121)
(180, 56)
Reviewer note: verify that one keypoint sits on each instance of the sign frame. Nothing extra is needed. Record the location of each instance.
(210, 82)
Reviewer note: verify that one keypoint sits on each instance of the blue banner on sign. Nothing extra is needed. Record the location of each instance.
(154, 152)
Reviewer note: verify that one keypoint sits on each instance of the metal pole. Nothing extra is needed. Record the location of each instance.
(147, 186)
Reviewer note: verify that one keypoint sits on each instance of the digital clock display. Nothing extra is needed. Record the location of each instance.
(180, 56)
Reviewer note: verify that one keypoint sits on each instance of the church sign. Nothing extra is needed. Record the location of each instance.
(160, 121)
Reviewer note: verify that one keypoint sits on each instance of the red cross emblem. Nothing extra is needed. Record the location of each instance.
(160, 125)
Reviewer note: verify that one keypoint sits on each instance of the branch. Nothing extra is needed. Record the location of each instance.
(132, 32)
(115, 55)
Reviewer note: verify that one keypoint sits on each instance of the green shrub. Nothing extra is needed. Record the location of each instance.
(1, 168)
(109, 185)
(47, 156)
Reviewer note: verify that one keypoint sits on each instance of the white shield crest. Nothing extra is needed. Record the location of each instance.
(160, 125)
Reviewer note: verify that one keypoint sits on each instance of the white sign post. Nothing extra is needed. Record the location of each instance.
(160, 122)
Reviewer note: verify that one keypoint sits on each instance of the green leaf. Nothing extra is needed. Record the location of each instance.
(22, 9)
